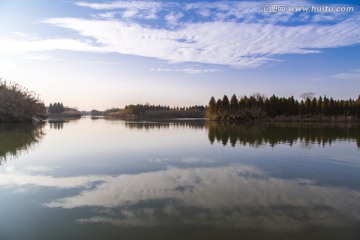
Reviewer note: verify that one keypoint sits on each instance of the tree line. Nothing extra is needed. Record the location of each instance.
(56, 108)
(259, 107)
(142, 108)
(158, 111)
(59, 108)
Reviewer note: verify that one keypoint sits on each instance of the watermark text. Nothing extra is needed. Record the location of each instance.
(275, 8)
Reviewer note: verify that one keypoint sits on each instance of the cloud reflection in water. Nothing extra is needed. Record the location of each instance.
(240, 196)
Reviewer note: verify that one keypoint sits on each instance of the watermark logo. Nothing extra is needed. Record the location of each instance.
(273, 8)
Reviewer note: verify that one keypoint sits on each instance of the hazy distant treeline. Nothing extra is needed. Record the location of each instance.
(260, 107)
(18, 103)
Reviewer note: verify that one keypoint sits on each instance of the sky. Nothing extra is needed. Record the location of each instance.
(105, 54)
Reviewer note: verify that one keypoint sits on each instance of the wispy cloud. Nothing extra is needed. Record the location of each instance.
(351, 75)
(230, 33)
(173, 18)
(187, 70)
(138, 9)
(41, 57)
(121, 5)
(227, 43)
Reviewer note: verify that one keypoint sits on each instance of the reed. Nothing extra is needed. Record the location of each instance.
(18, 103)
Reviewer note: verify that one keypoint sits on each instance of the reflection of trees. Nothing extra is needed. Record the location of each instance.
(17, 137)
(272, 134)
(57, 125)
(145, 125)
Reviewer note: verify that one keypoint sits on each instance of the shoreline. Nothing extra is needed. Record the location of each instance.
(280, 119)
(294, 119)
(285, 119)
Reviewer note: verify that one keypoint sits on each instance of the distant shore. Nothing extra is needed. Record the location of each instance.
(66, 114)
(290, 119)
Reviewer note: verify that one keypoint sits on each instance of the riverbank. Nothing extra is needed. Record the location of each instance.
(290, 119)
(245, 119)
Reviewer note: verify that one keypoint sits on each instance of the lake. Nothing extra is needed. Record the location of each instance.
(181, 179)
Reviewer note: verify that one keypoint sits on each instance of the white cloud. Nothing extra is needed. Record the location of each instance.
(138, 9)
(130, 13)
(106, 15)
(227, 43)
(228, 33)
(173, 18)
(351, 75)
(187, 70)
(122, 5)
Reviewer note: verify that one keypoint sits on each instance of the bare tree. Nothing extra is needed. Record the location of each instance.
(307, 95)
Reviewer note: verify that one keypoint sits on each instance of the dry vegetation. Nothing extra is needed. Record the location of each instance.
(18, 103)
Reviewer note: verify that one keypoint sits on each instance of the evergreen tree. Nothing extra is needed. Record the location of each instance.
(218, 106)
(233, 104)
(307, 106)
(314, 106)
(225, 104)
(56, 108)
(243, 102)
(325, 106)
(319, 106)
(302, 108)
(212, 106)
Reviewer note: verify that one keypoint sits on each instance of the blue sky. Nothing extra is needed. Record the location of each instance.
(103, 54)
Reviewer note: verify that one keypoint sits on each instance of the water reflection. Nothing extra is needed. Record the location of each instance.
(150, 125)
(237, 196)
(272, 134)
(56, 125)
(18, 137)
(133, 177)
(260, 134)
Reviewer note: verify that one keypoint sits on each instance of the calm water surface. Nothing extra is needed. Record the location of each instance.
(103, 179)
